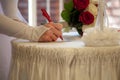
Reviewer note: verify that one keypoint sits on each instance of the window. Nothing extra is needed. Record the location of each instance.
(113, 10)
(53, 7)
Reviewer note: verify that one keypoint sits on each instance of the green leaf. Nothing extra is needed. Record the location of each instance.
(74, 17)
(68, 6)
(65, 15)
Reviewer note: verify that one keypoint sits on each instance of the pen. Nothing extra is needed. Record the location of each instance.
(45, 14)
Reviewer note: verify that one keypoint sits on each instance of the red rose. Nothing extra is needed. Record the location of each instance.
(80, 4)
(86, 18)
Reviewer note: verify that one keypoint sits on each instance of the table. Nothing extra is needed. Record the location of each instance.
(64, 60)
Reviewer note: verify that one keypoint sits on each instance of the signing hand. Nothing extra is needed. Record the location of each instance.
(53, 33)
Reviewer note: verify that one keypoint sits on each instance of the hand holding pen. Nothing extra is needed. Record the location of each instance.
(52, 25)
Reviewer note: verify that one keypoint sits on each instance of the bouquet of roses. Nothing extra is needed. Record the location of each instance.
(80, 13)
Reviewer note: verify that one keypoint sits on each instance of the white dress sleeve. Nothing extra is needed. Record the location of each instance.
(10, 9)
(20, 30)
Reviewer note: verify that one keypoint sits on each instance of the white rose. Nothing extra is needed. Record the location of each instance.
(92, 9)
(94, 1)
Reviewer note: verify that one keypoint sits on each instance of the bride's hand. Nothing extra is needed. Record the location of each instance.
(53, 33)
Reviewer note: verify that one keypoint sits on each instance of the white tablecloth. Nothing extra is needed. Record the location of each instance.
(64, 60)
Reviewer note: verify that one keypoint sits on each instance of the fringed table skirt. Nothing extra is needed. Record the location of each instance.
(68, 60)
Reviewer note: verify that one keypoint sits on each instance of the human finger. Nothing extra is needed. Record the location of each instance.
(58, 26)
(46, 37)
(55, 25)
(54, 37)
(56, 32)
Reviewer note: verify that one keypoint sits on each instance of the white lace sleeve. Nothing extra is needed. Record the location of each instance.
(20, 30)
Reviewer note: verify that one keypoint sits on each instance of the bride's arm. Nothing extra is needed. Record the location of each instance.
(10, 9)
(20, 30)
(48, 32)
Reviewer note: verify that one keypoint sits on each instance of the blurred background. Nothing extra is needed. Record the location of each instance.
(54, 7)
(113, 10)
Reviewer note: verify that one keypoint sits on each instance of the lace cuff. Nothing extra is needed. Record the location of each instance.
(38, 32)
(32, 33)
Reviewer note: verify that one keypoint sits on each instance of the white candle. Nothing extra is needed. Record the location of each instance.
(60, 9)
(32, 12)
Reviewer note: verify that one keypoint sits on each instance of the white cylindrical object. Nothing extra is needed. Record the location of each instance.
(48, 6)
(32, 12)
(60, 9)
